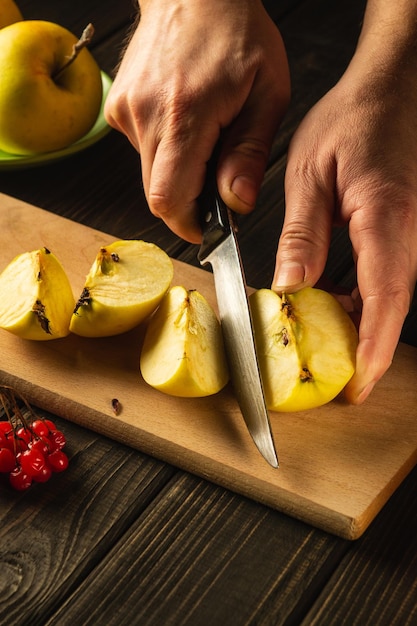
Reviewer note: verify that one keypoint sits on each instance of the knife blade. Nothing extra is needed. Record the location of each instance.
(220, 249)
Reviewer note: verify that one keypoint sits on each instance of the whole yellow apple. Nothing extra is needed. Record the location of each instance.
(183, 353)
(306, 345)
(36, 299)
(9, 13)
(125, 284)
(44, 107)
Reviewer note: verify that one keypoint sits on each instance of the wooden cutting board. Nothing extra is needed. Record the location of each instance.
(338, 464)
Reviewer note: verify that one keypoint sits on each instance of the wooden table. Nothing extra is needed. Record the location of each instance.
(122, 538)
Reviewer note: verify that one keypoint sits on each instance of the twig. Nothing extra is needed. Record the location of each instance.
(83, 42)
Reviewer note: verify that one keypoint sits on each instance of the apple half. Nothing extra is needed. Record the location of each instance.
(36, 299)
(183, 353)
(125, 284)
(306, 345)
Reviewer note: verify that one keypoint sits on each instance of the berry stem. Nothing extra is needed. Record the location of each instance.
(28, 442)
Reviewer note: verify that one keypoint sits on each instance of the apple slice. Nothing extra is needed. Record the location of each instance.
(125, 284)
(183, 353)
(36, 299)
(306, 346)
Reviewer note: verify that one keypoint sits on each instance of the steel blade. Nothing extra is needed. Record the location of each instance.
(236, 322)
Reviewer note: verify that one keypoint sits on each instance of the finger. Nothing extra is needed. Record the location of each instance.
(242, 168)
(304, 242)
(173, 175)
(246, 147)
(118, 116)
(385, 284)
(173, 151)
(375, 350)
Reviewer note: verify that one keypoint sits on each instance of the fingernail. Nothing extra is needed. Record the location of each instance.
(245, 189)
(362, 395)
(287, 275)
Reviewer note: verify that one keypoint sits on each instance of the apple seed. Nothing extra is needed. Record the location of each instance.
(83, 300)
(116, 406)
(286, 307)
(285, 339)
(39, 310)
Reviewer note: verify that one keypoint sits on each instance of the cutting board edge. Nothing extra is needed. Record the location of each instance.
(307, 511)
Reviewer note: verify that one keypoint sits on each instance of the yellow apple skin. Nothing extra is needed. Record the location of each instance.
(125, 284)
(37, 113)
(306, 346)
(36, 299)
(9, 13)
(183, 353)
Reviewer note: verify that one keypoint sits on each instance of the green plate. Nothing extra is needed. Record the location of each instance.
(99, 130)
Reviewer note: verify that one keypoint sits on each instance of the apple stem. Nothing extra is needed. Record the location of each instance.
(83, 42)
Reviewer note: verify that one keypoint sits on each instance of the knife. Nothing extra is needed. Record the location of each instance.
(220, 249)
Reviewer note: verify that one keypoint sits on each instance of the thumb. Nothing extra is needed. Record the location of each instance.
(241, 171)
(246, 146)
(305, 239)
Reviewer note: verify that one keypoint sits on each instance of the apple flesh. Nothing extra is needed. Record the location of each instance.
(183, 353)
(306, 345)
(9, 13)
(36, 299)
(38, 112)
(125, 284)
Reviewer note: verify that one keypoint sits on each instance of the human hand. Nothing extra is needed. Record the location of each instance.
(194, 71)
(354, 160)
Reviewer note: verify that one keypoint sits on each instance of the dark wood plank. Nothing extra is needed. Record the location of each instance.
(320, 39)
(99, 187)
(53, 535)
(107, 16)
(376, 582)
(202, 555)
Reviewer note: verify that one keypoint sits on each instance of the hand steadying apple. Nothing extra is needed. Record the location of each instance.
(353, 159)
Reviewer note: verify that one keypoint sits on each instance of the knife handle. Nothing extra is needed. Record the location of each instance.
(214, 223)
(216, 219)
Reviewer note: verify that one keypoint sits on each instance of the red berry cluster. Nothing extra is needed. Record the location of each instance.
(31, 447)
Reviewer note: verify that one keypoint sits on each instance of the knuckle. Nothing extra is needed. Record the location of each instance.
(298, 234)
(253, 149)
(399, 299)
(392, 297)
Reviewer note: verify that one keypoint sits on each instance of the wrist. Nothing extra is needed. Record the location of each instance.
(202, 5)
(387, 45)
